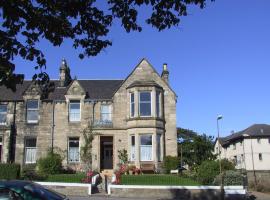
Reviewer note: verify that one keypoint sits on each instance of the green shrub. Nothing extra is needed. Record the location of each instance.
(29, 172)
(209, 169)
(170, 163)
(51, 164)
(9, 171)
(230, 178)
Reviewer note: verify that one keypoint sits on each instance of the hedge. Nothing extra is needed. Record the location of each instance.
(9, 171)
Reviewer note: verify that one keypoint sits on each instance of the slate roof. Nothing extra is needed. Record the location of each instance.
(256, 130)
(95, 89)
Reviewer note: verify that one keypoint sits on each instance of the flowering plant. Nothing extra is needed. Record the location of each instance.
(88, 178)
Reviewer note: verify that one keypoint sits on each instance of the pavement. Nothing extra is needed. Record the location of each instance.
(252, 196)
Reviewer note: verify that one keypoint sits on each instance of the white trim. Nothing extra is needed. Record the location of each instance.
(228, 189)
(89, 186)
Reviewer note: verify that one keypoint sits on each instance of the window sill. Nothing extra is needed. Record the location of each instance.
(145, 118)
(32, 123)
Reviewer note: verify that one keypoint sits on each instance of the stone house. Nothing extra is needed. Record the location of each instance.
(137, 114)
(249, 149)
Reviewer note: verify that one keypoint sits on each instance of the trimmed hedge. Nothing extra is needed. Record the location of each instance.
(230, 178)
(9, 171)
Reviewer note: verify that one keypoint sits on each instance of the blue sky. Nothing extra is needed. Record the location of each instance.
(218, 58)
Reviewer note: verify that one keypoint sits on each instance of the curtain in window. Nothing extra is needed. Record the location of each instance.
(106, 113)
(30, 154)
(74, 154)
(146, 148)
(74, 111)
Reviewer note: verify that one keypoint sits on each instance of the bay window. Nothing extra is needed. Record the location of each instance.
(74, 111)
(73, 150)
(30, 150)
(32, 111)
(145, 104)
(3, 114)
(132, 105)
(159, 149)
(158, 105)
(106, 113)
(132, 149)
(146, 153)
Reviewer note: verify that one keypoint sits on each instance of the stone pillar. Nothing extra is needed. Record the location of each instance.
(137, 150)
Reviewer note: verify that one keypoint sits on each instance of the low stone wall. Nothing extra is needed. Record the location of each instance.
(69, 189)
(263, 179)
(176, 192)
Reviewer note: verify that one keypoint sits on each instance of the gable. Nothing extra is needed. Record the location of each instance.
(75, 89)
(33, 90)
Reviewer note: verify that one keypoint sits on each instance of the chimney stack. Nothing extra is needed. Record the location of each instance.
(64, 74)
(165, 73)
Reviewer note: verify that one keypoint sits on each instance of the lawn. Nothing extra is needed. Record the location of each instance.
(66, 178)
(156, 179)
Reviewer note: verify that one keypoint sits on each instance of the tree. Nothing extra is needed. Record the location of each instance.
(85, 22)
(195, 148)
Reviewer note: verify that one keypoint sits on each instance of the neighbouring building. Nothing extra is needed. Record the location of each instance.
(137, 114)
(250, 151)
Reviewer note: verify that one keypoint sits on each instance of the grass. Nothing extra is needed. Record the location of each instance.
(156, 179)
(66, 178)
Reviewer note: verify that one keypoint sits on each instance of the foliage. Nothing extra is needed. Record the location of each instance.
(85, 23)
(9, 171)
(230, 178)
(195, 148)
(209, 169)
(156, 179)
(66, 178)
(170, 163)
(86, 148)
(29, 172)
(51, 164)
(123, 156)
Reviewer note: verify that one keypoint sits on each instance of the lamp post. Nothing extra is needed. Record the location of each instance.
(219, 117)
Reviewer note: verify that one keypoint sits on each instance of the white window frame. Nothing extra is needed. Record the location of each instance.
(146, 145)
(79, 153)
(74, 101)
(108, 113)
(4, 113)
(159, 146)
(30, 148)
(150, 92)
(132, 104)
(32, 109)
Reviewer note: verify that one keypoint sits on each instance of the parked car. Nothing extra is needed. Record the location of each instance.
(27, 190)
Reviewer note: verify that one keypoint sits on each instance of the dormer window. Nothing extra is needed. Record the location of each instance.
(145, 104)
(32, 107)
(3, 114)
(74, 111)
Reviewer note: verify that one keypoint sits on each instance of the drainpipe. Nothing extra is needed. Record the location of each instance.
(53, 125)
(93, 114)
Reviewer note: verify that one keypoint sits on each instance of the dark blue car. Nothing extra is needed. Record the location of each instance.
(26, 190)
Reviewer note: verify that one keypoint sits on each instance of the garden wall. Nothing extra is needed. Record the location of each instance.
(176, 192)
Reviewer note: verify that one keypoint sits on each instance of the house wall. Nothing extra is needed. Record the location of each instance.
(122, 124)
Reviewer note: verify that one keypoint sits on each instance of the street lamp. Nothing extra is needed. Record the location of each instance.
(219, 117)
(222, 192)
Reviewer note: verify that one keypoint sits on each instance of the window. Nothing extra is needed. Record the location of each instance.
(132, 150)
(260, 156)
(235, 160)
(30, 150)
(234, 146)
(74, 111)
(259, 140)
(3, 114)
(32, 111)
(145, 104)
(158, 107)
(106, 113)
(73, 150)
(146, 147)
(159, 153)
(242, 157)
(269, 140)
(1, 147)
(132, 105)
